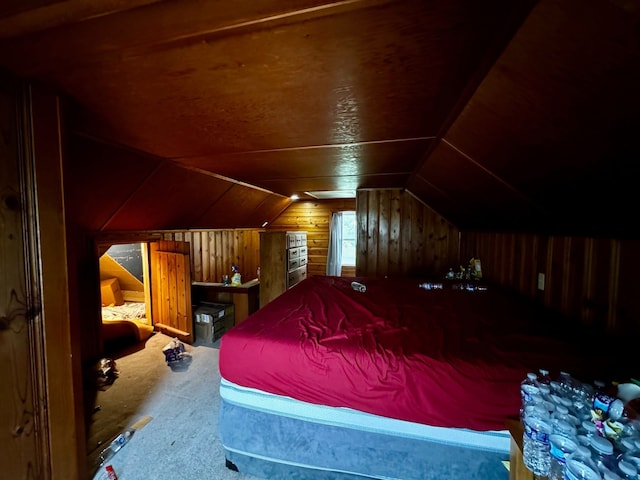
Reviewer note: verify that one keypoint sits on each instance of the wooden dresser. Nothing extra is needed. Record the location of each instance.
(283, 262)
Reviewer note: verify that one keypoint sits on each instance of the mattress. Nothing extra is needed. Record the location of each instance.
(293, 439)
(449, 358)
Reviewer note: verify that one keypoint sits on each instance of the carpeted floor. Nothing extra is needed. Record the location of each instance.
(181, 439)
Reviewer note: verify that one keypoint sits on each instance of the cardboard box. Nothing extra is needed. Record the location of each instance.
(211, 320)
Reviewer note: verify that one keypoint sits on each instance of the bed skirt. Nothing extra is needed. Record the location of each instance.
(271, 436)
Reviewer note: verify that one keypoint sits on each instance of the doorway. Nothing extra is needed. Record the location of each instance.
(150, 280)
(125, 296)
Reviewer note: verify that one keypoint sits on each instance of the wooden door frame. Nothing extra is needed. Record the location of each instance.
(48, 431)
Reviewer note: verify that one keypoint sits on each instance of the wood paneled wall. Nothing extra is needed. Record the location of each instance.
(399, 235)
(213, 252)
(592, 280)
(314, 217)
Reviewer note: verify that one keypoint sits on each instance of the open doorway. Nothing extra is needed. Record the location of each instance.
(125, 297)
(145, 288)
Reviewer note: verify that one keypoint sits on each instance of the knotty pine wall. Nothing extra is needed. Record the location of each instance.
(213, 252)
(314, 217)
(592, 280)
(400, 235)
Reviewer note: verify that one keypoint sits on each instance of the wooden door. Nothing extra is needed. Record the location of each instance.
(171, 289)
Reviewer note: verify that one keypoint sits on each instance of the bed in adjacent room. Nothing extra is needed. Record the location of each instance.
(122, 321)
(125, 321)
(396, 382)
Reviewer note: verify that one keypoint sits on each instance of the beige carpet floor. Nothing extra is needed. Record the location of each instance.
(182, 402)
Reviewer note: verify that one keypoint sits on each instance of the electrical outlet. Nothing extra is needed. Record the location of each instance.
(540, 281)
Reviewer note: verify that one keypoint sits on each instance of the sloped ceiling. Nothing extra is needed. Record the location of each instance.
(500, 115)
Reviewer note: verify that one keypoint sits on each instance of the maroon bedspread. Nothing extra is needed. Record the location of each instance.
(441, 357)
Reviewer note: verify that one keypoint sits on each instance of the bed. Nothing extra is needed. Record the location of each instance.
(126, 321)
(122, 320)
(396, 382)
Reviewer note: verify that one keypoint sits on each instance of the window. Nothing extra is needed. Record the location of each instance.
(349, 236)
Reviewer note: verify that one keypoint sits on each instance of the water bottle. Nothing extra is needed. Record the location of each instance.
(561, 414)
(579, 392)
(115, 445)
(563, 427)
(583, 440)
(543, 377)
(528, 389)
(535, 440)
(633, 457)
(587, 428)
(627, 444)
(579, 466)
(567, 384)
(561, 447)
(602, 453)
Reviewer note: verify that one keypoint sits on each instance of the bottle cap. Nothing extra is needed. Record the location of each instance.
(628, 443)
(627, 467)
(588, 426)
(602, 445)
(564, 428)
(580, 465)
(561, 445)
(582, 451)
(609, 475)
(583, 440)
(566, 402)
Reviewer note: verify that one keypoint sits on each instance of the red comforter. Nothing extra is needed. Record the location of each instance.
(446, 357)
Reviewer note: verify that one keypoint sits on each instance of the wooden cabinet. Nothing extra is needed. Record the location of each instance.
(283, 262)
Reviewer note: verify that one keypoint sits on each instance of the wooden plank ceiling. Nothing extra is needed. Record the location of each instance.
(500, 115)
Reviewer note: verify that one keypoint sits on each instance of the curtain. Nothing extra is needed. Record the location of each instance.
(334, 256)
